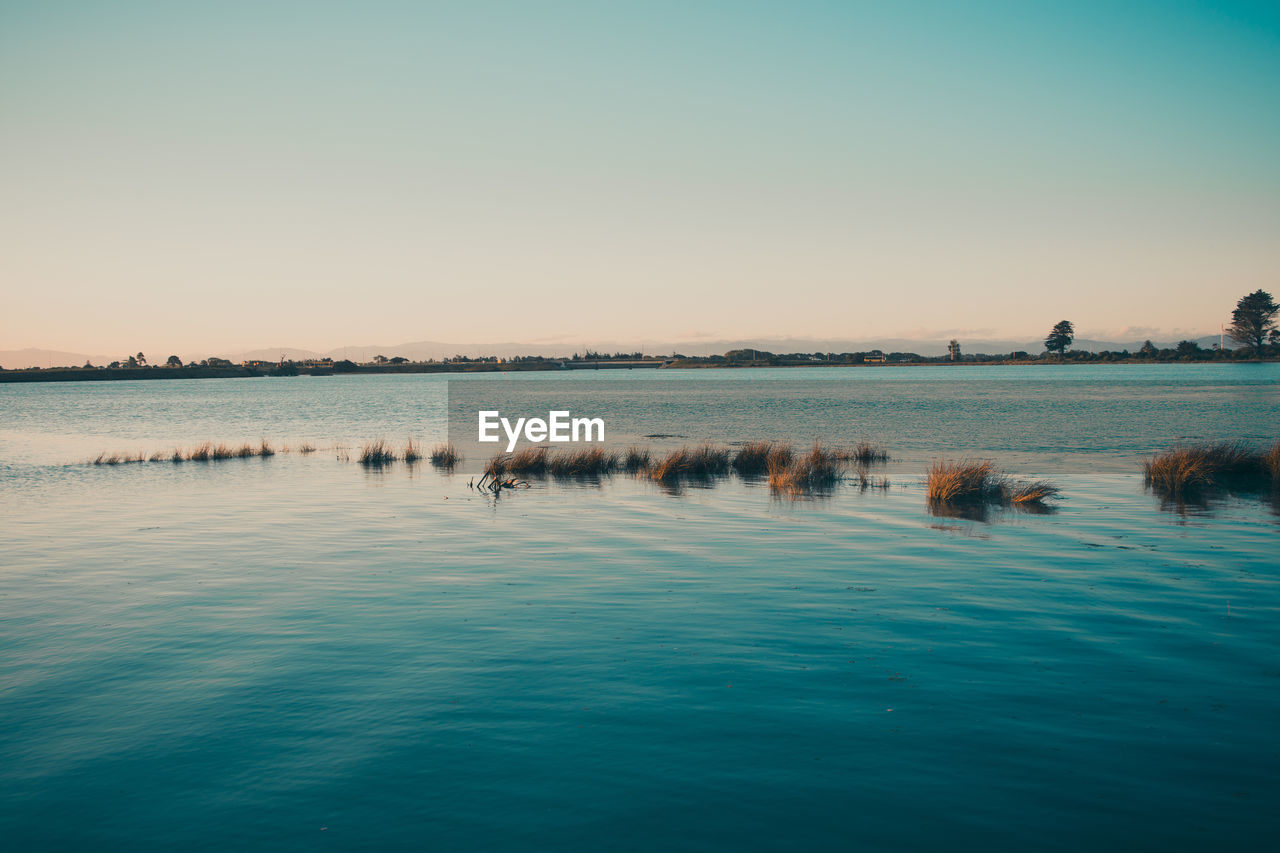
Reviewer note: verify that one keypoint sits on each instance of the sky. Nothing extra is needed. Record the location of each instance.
(179, 176)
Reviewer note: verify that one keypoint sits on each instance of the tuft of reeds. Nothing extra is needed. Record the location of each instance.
(1034, 492)
(412, 452)
(587, 462)
(966, 480)
(376, 453)
(759, 457)
(177, 456)
(528, 462)
(105, 458)
(306, 447)
(158, 456)
(445, 455)
(817, 470)
(246, 451)
(222, 451)
(201, 452)
(265, 449)
(1271, 461)
(636, 460)
(702, 462)
(1188, 468)
(975, 480)
(867, 453)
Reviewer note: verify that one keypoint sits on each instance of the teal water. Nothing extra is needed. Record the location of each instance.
(295, 652)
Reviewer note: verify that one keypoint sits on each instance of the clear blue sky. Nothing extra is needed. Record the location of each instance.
(182, 176)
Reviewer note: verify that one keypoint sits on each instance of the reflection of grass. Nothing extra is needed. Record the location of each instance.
(817, 470)
(972, 481)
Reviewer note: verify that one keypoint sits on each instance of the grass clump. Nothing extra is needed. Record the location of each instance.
(306, 448)
(200, 453)
(1187, 469)
(817, 470)
(222, 451)
(246, 451)
(970, 481)
(759, 457)
(265, 449)
(528, 462)
(636, 460)
(700, 463)
(1271, 461)
(587, 462)
(866, 453)
(105, 458)
(412, 452)
(376, 453)
(445, 455)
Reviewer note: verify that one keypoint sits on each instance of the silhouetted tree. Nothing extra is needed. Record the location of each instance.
(174, 361)
(1148, 350)
(1254, 319)
(1060, 337)
(132, 362)
(1187, 349)
(142, 359)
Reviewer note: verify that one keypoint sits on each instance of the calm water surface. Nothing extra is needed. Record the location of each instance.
(294, 652)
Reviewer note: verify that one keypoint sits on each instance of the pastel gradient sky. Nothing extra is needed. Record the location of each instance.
(179, 175)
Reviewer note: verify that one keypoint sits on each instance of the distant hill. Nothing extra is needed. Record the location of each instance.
(438, 350)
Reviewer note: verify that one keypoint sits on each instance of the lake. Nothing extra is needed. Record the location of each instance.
(296, 651)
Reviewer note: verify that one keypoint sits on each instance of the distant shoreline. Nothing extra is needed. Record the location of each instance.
(114, 374)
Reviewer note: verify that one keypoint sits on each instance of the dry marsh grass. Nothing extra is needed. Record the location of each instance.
(970, 480)
(376, 453)
(445, 455)
(815, 471)
(306, 448)
(587, 462)
(265, 449)
(636, 460)
(201, 452)
(1271, 461)
(528, 462)
(866, 453)
(412, 452)
(756, 458)
(1188, 469)
(700, 463)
